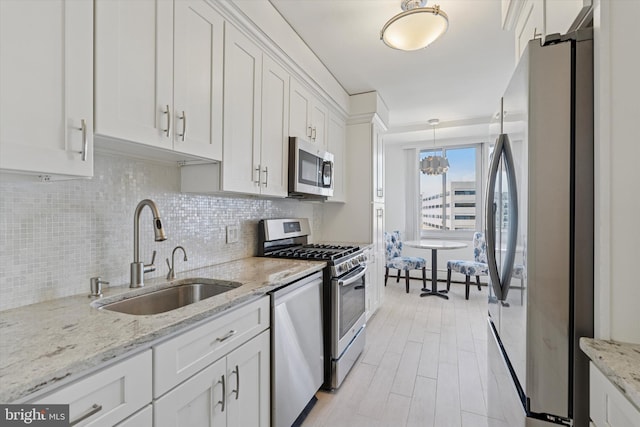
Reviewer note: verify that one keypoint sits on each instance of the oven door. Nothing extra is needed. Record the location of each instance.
(348, 308)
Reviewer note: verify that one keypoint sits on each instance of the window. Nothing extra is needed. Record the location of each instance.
(452, 201)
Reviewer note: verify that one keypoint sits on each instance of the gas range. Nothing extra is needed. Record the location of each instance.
(288, 238)
(344, 298)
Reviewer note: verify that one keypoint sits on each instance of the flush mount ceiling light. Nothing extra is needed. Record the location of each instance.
(416, 27)
(434, 165)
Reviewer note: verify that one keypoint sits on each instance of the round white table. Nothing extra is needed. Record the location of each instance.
(434, 245)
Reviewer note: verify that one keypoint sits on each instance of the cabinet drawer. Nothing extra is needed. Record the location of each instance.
(109, 395)
(179, 358)
(607, 405)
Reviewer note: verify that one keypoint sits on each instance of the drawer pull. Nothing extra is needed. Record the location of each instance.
(224, 393)
(225, 336)
(95, 408)
(237, 390)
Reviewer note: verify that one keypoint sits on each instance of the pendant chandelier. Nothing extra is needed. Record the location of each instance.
(416, 27)
(434, 165)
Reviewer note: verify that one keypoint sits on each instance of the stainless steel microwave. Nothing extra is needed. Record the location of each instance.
(310, 169)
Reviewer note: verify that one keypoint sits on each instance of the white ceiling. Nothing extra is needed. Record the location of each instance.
(458, 79)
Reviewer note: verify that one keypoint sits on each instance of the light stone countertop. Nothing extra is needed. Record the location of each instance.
(52, 343)
(618, 361)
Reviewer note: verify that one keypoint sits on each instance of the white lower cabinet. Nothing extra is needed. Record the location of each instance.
(108, 396)
(233, 391)
(608, 407)
(142, 418)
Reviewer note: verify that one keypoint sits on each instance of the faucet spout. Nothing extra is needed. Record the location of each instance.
(172, 271)
(139, 268)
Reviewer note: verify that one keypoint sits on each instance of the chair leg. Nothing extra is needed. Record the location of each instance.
(467, 285)
(448, 279)
(386, 275)
(406, 279)
(478, 282)
(424, 277)
(398, 278)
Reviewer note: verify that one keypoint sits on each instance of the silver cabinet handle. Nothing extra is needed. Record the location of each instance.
(85, 141)
(225, 337)
(184, 125)
(266, 176)
(380, 192)
(257, 181)
(168, 113)
(237, 390)
(224, 393)
(95, 408)
(313, 133)
(310, 131)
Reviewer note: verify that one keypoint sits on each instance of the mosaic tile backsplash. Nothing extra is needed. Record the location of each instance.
(55, 236)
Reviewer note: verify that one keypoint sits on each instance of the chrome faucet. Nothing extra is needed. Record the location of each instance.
(138, 268)
(172, 271)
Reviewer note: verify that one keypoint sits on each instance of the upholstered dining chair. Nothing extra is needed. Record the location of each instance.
(394, 259)
(478, 267)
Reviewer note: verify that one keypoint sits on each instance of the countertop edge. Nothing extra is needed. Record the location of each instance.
(619, 362)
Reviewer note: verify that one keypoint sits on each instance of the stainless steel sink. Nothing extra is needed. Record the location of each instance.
(185, 292)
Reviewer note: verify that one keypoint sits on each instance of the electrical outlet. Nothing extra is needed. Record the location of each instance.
(232, 233)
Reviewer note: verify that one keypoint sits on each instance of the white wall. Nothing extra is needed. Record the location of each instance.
(617, 93)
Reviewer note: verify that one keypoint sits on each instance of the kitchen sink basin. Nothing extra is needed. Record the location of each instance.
(184, 292)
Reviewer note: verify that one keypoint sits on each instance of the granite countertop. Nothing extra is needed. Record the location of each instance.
(619, 361)
(54, 342)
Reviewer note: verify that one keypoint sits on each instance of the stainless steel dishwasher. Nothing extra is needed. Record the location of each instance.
(297, 348)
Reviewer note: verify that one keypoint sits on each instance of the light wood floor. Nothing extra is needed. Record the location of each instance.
(424, 365)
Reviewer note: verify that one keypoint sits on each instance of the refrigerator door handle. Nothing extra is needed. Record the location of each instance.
(500, 279)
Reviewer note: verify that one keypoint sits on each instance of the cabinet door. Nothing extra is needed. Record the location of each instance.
(275, 129)
(242, 88)
(300, 107)
(200, 401)
(248, 383)
(198, 58)
(319, 123)
(142, 418)
(530, 24)
(134, 71)
(379, 250)
(46, 92)
(336, 139)
(378, 164)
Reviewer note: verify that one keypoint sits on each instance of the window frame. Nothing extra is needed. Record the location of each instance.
(481, 171)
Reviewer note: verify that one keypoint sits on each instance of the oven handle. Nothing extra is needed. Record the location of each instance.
(353, 276)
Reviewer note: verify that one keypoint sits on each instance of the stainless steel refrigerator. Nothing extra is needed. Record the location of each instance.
(539, 218)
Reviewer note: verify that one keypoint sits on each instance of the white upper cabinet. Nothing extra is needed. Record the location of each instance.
(274, 152)
(256, 119)
(197, 82)
(242, 88)
(538, 18)
(46, 87)
(378, 163)
(308, 117)
(159, 74)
